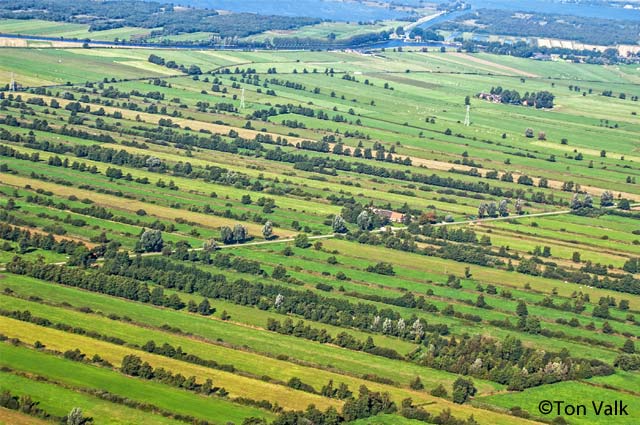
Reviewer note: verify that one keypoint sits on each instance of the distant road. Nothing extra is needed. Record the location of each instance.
(423, 20)
(383, 229)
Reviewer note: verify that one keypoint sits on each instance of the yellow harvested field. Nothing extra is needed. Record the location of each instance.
(238, 386)
(12, 417)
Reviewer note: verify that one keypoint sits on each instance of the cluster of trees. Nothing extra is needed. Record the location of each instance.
(491, 209)
(426, 34)
(632, 265)
(382, 267)
(343, 339)
(578, 202)
(541, 99)
(363, 217)
(366, 405)
(159, 60)
(238, 234)
(523, 49)
(509, 362)
(628, 362)
(455, 234)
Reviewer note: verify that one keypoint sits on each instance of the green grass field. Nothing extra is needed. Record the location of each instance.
(100, 145)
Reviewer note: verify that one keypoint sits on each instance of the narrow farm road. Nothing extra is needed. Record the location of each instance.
(383, 229)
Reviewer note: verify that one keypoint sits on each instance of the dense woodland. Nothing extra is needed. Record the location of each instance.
(114, 14)
(587, 30)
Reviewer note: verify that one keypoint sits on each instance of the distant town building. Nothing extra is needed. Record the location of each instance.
(541, 57)
(394, 217)
(495, 98)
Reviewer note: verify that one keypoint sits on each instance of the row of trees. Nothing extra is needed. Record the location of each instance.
(491, 209)
(306, 304)
(473, 254)
(606, 200)
(433, 180)
(26, 405)
(369, 404)
(27, 240)
(343, 339)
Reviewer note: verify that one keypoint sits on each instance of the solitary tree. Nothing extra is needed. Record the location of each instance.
(302, 241)
(226, 234)
(606, 199)
(519, 206)
(503, 208)
(75, 417)
(240, 233)
(462, 390)
(204, 308)
(576, 203)
(629, 347)
(267, 230)
(521, 309)
(364, 220)
(151, 241)
(279, 272)
(210, 245)
(439, 391)
(416, 384)
(131, 365)
(482, 210)
(492, 209)
(587, 201)
(624, 204)
(339, 224)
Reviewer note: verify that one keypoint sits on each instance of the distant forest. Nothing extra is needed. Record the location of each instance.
(104, 15)
(587, 30)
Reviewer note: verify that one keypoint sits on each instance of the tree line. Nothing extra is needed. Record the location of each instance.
(123, 276)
